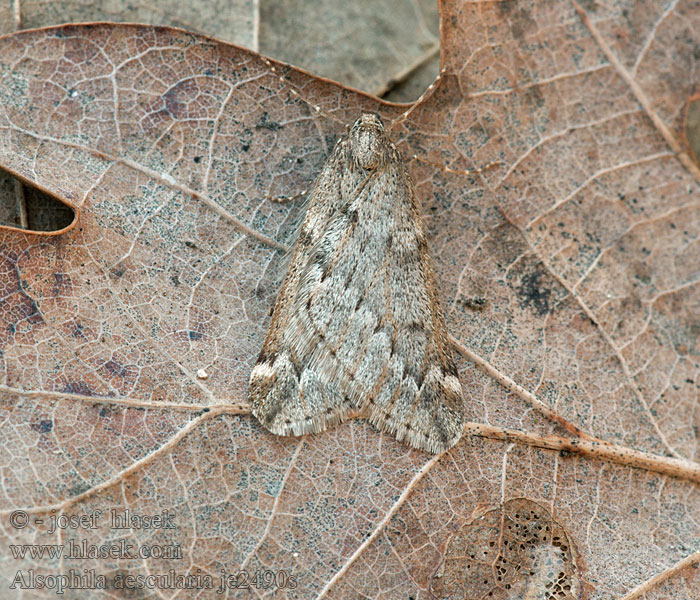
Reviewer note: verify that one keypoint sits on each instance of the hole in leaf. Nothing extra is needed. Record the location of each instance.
(26, 207)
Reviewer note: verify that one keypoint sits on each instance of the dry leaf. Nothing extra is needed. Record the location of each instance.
(513, 551)
(229, 20)
(398, 54)
(569, 275)
(365, 44)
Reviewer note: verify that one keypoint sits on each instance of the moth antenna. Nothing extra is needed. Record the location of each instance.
(491, 165)
(429, 90)
(294, 91)
(404, 116)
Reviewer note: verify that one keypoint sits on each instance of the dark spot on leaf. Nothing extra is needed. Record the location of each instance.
(78, 489)
(473, 303)
(77, 387)
(63, 285)
(43, 426)
(267, 123)
(115, 368)
(534, 293)
(522, 24)
(533, 95)
(174, 105)
(505, 7)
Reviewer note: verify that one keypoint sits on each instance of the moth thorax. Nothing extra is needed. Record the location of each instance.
(368, 142)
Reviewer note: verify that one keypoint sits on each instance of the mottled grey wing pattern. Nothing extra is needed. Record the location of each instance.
(358, 324)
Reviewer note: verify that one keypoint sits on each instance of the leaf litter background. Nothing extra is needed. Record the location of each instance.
(395, 54)
(572, 269)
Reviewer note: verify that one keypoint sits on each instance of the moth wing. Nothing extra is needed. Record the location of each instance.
(411, 384)
(286, 394)
(358, 323)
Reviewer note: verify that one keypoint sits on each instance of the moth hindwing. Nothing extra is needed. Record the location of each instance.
(358, 326)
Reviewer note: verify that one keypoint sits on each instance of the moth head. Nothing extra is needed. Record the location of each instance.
(368, 141)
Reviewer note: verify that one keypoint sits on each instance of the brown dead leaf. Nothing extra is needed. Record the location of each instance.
(513, 551)
(398, 53)
(365, 44)
(570, 277)
(25, 207)
(229, 20)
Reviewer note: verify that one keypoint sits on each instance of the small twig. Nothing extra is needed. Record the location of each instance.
(648, 586)
(21, 204)
(520, 391)
(598, 449)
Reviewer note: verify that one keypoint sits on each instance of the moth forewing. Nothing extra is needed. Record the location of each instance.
(358, 324)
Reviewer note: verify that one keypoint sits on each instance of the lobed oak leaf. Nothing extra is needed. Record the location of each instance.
(569, 275)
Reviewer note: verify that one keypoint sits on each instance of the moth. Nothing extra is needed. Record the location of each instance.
(358, 327)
